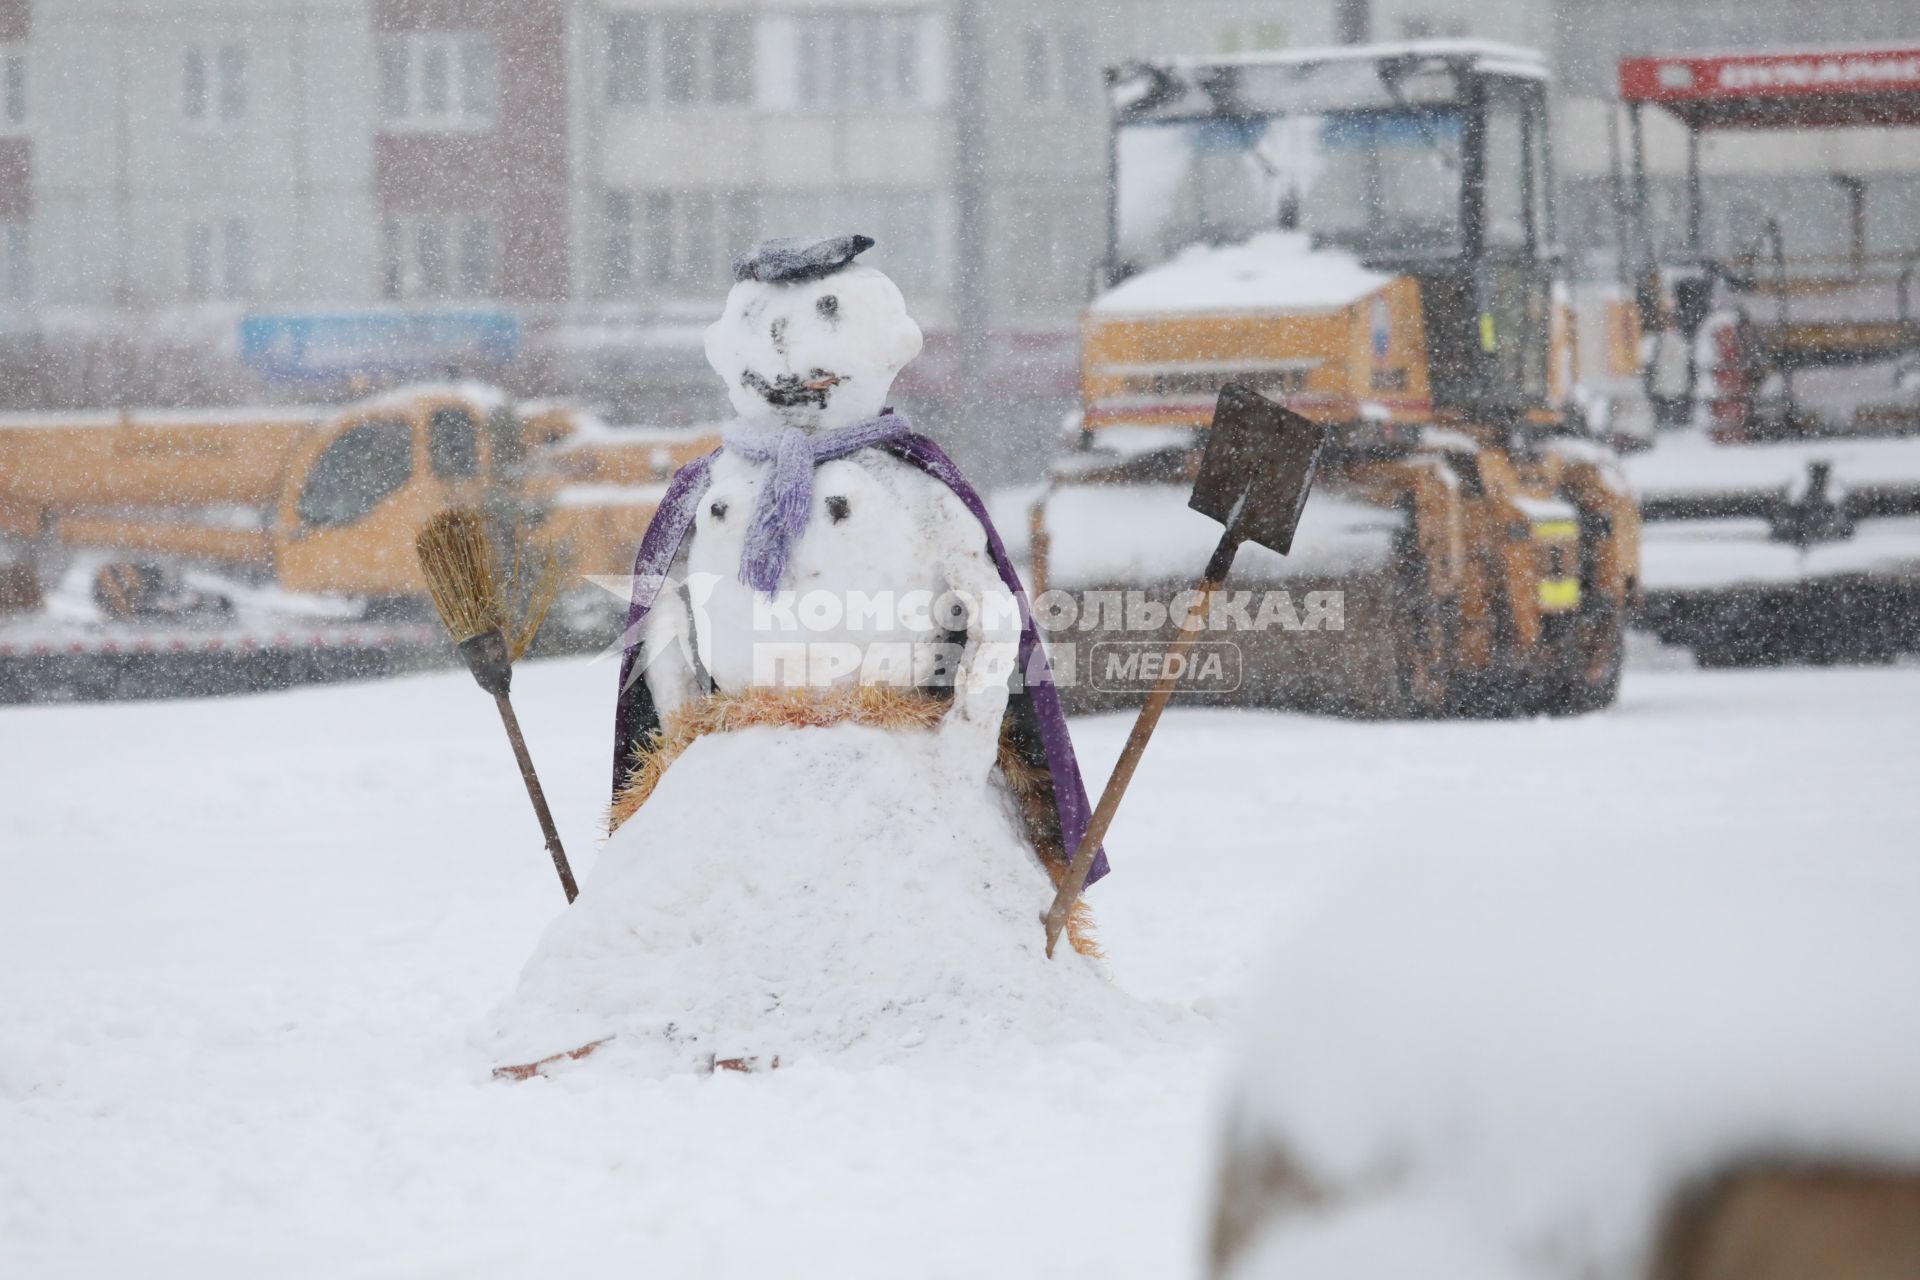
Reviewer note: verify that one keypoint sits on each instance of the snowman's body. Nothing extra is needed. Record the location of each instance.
(887, 552)
(871, 586)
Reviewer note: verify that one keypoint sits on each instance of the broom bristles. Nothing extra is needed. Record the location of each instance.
(456, 558)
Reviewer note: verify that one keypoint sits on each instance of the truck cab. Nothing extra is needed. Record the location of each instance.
(360, 487)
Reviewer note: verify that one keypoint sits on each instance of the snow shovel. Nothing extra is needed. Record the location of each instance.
(1254, 478)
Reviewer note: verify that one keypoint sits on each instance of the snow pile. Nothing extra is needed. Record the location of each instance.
(1275, 270)
(792, 893)
(1516, 1055)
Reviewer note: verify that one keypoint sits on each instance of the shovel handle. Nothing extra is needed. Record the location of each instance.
(1136, 745)
(535, 794)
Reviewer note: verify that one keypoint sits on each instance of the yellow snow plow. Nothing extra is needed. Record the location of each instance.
(1363, 234)
(209, 548)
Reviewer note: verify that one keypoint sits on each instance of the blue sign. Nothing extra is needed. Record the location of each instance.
(373, 344)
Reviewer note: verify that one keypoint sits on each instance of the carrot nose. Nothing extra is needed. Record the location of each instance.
(821, 384)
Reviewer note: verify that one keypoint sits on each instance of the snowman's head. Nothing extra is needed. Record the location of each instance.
(810, 337)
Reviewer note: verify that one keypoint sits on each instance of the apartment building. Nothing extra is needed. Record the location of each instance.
(590, 166)
(472, 149)
(721, 122)
(205, 153)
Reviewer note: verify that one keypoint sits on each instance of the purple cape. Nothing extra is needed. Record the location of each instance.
(1035, 696)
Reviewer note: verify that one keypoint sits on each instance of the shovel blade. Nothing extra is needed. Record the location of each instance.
(1258, 467)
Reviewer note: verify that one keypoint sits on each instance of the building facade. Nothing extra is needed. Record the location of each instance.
(590, 166)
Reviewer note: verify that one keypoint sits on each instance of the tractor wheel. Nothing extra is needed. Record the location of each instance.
(1423, 635)
(1588, 678)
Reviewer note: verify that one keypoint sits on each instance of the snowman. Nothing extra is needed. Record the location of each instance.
(827, 547)
(834, 823)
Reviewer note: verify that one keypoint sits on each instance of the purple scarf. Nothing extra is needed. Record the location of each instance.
(786, 502)
(633, 709)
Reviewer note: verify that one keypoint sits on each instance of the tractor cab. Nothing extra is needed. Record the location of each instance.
(1424, 161)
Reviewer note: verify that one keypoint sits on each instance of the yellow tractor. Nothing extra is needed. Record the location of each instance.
(219, 548)
(1365, 235)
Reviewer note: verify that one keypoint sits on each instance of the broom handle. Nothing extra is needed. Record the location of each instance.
(1143, 725)
(535, 794)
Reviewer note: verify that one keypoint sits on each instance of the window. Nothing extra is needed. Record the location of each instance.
(438, 80)
(905, 57)
(365, 464)
(395, 79)
(504, 438)
(231, 63)
(1376, 182)
(619, 264)
(860, 57)
(686, 239)
(680, 58)
(684, 58)
(453, 444)
(905, 223)
(626, 59)
(430, 255)
(730, 60)
(1080, 74)
(193, 97)
(437, 255)
(1036, 66)
(1508, 213)
(1057, 66)
(13, 88)
(219, 258)
(474, 273)
(18, 267)
(213, 83)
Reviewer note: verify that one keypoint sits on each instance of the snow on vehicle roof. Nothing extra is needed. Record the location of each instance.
(1530, 1044)
(483, 395)
(1272, 270)
(1544, 509)
(1515, 59)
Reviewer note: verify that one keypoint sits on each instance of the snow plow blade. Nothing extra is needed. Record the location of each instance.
(1787, 552)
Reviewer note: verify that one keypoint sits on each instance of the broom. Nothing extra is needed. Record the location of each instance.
(458, 561)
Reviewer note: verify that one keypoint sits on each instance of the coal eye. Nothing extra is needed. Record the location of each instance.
(828, 305)
(719, 510)
(837, 509)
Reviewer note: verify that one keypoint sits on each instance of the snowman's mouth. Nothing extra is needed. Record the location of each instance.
(790, 390)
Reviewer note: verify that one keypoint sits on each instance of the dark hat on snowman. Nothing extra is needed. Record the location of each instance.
(792, 259)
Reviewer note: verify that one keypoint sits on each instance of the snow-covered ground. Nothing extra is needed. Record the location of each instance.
(245, 945)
